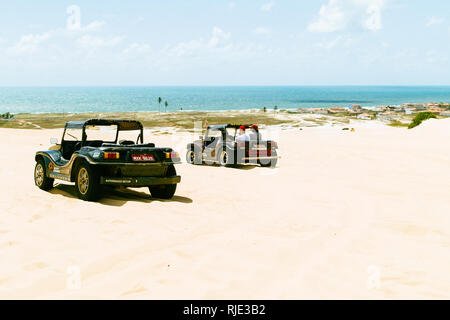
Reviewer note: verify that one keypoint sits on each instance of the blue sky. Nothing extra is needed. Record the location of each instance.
(220, 42)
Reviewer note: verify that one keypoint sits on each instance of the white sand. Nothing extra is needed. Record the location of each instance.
(341, 208)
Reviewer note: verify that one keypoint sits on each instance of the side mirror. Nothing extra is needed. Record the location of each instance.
(54, 141)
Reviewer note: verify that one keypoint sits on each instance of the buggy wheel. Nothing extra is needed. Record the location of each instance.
(269, 163)
(225, 157)
(87, 183)
(164, 191)
(40, 176)
(192, 157)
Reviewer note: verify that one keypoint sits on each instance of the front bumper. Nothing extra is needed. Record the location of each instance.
(139, 181)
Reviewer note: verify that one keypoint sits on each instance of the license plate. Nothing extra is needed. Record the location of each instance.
(142, 157)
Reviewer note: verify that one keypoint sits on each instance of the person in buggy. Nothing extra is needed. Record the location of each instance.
(254, 134)
(242, 136)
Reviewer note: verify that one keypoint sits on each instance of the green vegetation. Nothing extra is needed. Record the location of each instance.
(422, 116)
(6, 115)
(181, 120)
(185, 120)
(398, 124)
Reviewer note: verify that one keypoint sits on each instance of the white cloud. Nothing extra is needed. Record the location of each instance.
(217, 41)
(137, 48)
(139, 20)
(29, 43)
(342, 41)
(434, 21)
(434, 56)
(267, 6)
(218, 36)
(185, 49)
(262, 31)
(89, 41)
(217, 47)
(337, 15)
(93, 26)
(329, 44)
(331, 18)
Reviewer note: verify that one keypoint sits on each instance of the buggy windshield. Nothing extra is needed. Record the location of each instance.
(101, 130)
(103, 133)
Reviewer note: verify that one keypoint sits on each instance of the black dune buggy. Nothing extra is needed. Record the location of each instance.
(219, 145)
(91, 155)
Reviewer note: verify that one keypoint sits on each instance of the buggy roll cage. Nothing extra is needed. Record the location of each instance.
(122, 125)
(223, 127)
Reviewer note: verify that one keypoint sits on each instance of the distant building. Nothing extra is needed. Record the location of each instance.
(356, 107)
(364, 116)
(409, 110)
(417, 106)
(337, 110)
(314, 110)
(430, 105)
(388, 116)
(377, 109)
(320, 111)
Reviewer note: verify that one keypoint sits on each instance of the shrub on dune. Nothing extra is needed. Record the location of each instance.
(422, 116)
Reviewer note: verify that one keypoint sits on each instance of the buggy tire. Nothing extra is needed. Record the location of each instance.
(87, 182)
(225, 157)
(40, 176)
(164, 191)
(269, 163)
(192, 156)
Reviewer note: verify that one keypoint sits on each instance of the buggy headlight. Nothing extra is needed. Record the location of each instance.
(96, 154)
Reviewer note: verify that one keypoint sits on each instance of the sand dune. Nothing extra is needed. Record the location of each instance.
(362, 214)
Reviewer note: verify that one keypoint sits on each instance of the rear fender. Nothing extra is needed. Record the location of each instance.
(273, 147)
(76, 163)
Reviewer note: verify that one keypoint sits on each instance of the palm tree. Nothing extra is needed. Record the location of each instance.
(159, 102)
(165, 106)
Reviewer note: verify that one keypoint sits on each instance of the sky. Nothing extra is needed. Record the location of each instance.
(222, 42)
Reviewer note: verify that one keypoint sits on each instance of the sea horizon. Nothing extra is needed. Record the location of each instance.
(82, 99)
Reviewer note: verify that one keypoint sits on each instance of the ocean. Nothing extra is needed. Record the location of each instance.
(115, 99)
